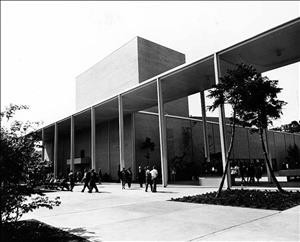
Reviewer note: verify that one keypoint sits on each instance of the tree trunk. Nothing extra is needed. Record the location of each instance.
(274, 179)
(227, 155)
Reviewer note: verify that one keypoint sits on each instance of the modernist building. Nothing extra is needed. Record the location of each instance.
(141, 90)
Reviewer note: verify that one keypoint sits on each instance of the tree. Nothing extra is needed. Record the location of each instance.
(258, 107)
(231, 90)
(148, 145)
(18, 158)
(292, 127)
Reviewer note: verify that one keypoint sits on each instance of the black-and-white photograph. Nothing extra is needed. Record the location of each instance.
(150, 121)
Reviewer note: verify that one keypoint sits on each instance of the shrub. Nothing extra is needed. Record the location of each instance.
(18, 158)
(247, 198)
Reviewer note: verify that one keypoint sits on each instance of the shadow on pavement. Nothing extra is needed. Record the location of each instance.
(165, 192)
(81, 232)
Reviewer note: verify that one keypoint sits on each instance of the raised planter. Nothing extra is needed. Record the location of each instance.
(289, 173)
(209, 181)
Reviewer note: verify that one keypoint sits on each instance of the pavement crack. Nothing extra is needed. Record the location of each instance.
(233, 226)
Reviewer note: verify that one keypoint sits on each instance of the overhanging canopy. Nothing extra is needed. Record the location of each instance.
(272, 49)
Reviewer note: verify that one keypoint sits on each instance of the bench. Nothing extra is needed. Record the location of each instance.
(289, 173)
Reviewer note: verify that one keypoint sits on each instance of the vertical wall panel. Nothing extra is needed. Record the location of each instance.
(102, 148)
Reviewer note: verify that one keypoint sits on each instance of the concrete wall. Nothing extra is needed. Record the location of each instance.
(146, 126)
(178, 107)
(247, 145)
(133, 63)
(82, 140)
(102, 148)
(113, 74)
(184, 139)
(154, 59)
(63, 153)
(107, 146)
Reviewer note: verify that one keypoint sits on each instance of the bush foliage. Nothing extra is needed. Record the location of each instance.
(19, 162)
(34, 231)
(247, 198)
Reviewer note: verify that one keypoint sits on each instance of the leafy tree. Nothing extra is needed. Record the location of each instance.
(258, 107)
(148, 146)
(293, 127)
(18, 159)
(231, 90)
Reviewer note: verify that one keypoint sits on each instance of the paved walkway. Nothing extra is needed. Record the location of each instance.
(134, 215)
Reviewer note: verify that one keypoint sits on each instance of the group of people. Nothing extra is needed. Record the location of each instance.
(125, 176)
(247, 171)
(145, 176)
(149, 177)
(89, 180)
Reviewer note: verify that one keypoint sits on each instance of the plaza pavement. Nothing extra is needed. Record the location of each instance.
(134, 215)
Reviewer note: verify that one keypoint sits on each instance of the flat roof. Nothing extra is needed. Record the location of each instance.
(275, 48)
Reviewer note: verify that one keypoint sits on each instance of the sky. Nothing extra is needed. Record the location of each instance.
(45, 45)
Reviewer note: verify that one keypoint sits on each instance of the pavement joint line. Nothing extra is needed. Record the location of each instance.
(84, 211)
(234, 226)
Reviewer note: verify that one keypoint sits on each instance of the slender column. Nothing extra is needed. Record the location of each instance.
(222, 123)
(93, 138)
(43, 145)
(133, 144)
(72, 142)
(121, 132)
(269, 156)
(204, 126)
(162, 135)
(55, 150)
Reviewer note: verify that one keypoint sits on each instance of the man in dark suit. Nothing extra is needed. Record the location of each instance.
(86, 179)
(93, 180)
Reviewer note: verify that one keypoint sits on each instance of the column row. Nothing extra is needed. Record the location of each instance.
(162, 132)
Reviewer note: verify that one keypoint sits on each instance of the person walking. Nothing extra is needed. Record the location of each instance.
(78, 176)
(86, 179)
(71, 180)
(123, 177)
(148, 178)
(141, 176)
(93, 181)
(154, 174)
(129, 177)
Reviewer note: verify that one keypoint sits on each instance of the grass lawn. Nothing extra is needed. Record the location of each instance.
(35, 231)
(247, 198)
